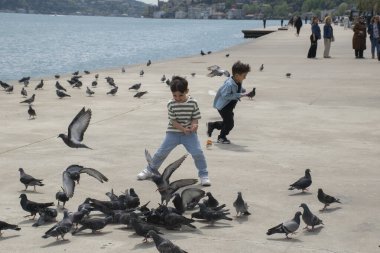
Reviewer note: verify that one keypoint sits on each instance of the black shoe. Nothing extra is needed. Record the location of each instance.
(210, 128)
(223, 140)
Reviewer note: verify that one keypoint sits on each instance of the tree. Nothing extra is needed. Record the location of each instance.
(281, 10)
(342, 9)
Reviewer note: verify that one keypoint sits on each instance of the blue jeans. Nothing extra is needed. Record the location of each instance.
(192, 145)
(375, 44)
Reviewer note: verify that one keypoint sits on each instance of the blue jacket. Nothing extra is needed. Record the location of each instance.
(328, 32)
(370, 30)
(316, 31)
(226, 93)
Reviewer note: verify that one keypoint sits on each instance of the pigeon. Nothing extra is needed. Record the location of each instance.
(89, 92)
(61, 228)
(87, 72)
(141, 73)
(287, 227)
(148, 63)
(164, 245)
(141, 228)
(94, 84)
(24, 93)
(209, 52)
(28, 180)
(163, 78)
(252, 93)
(61, 94)
(4, 85)
(140, 94)
(202, 53)
(198, 214)
(57, 76)
(9, 89)
(188, 199)
(166, 188)
(135, 86)
(95, 224)
(193, 74)
(61, 196)
(241, 206)
(46, 215)
(326, 199)
(211, 215)
(167, 82)
(173, 220)
(303, 182)
(32, 207)
(78, 84)
(309, 218)
(72, 174)
(122, 70)
(59, 86)
(96, 76)
(76, 129)
(29, 100)
(217, 71)
(261, 67)
(75, 73)
(211, 201)
(24, 79)
(31, 112)
(40, 85)
(113, 91)
(288, 75)
(227, 55)
(4, 226)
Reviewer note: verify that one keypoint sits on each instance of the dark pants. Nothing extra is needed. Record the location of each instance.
(359, 53)
(227, 124)
(313, 48)
(298, 30)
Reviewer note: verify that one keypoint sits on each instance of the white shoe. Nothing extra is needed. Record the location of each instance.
(205, 181)
(145, 174)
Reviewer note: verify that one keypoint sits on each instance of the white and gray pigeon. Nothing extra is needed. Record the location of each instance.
(309, 218)
(217, 71)
(164, 245)
(28, 180)
(188, 199)
(76, 129)
(303, 182)
(287, 227)
(61, 228)
(326, 199)
(241, 206)
(72, 174)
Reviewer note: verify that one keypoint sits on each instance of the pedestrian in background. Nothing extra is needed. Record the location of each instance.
(359, 38)
(298, 24)
(314, 37)
(374, 36)
(264, 22)
(328, 36)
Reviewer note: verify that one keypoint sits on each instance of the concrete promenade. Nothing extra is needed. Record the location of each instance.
(326, 117)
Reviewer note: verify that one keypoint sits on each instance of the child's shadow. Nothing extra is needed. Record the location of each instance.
(232, 147)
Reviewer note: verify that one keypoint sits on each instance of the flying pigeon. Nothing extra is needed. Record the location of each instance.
(326, 199)
(252, 93)
(29, 100)
(148, 63)
(32, 207)
(217, 71)
(287, 227)
(140, 94)
(89, 92)
(72, 174)
(28, 180)
(309, 218)
(24, 93)
(61, 228)
(59, 86)
(303, 182)
(261, 67)
(40, 85)
(4, 226)
(135, 86)
(61, 94)
(76, 129)
(31, 112)
(113, 91)
(241, 206)
(164, 245)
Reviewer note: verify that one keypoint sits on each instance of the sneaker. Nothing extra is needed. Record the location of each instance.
(145, 174)
(205, 181)
(223, 140)
(210, 128)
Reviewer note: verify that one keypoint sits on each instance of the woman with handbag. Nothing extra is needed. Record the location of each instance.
(328, 37)
(314, 37)
(359, 38)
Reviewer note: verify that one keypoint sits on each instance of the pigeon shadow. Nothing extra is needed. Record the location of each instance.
(285, 239)
(300, 194)
(28, 221)
(144, 245)
(217, 226)
(98, 233)
(3, 238)
(29, 192)
(232, 147)
(314, 231)
(241, 219)
(330, 210)
(56, 243)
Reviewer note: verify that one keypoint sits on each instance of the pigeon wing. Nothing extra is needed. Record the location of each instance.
(290, 226)
(94, 173)
(181, 183)
(172, 167)
(74, 168)
(68, 184)
(213, 67)
(190, 195)
(79, 125)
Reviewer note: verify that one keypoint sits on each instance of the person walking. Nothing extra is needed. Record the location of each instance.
(374, 36)
(328, 37)
(298, 25)
(314, 37)
(359, 38)
(264, 22)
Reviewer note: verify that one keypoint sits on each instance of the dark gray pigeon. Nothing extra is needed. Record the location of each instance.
(113, 91)
(61, 228)
(57, 76)
(39, 85)
(61, 94)
(76, 129)
(31, 112)
(4, 226)
(24, 79)
(287, 227)
(210, 201)
(288, 75)
(59, 86)
(95, 224)
(94, 84)
(135, 86)
(89, 92)
(24, 93)
(141, 228)
(4, 85)
(46, 215)
(28, 180)
(303, 182)
(32, 207)
(29, 100)
(87, 72)
(140, 94)
(261, 67)
(141, 73)
(9, 89)
(211, 215)
(164, 245)
(61, 196)
(72, 174)
(149, 63)
(241, 206)
(252, 93)
(326, 199)
(163, 78)
(309, 218)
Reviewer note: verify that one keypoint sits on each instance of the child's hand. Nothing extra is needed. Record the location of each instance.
(194, 128)
(187, 130)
